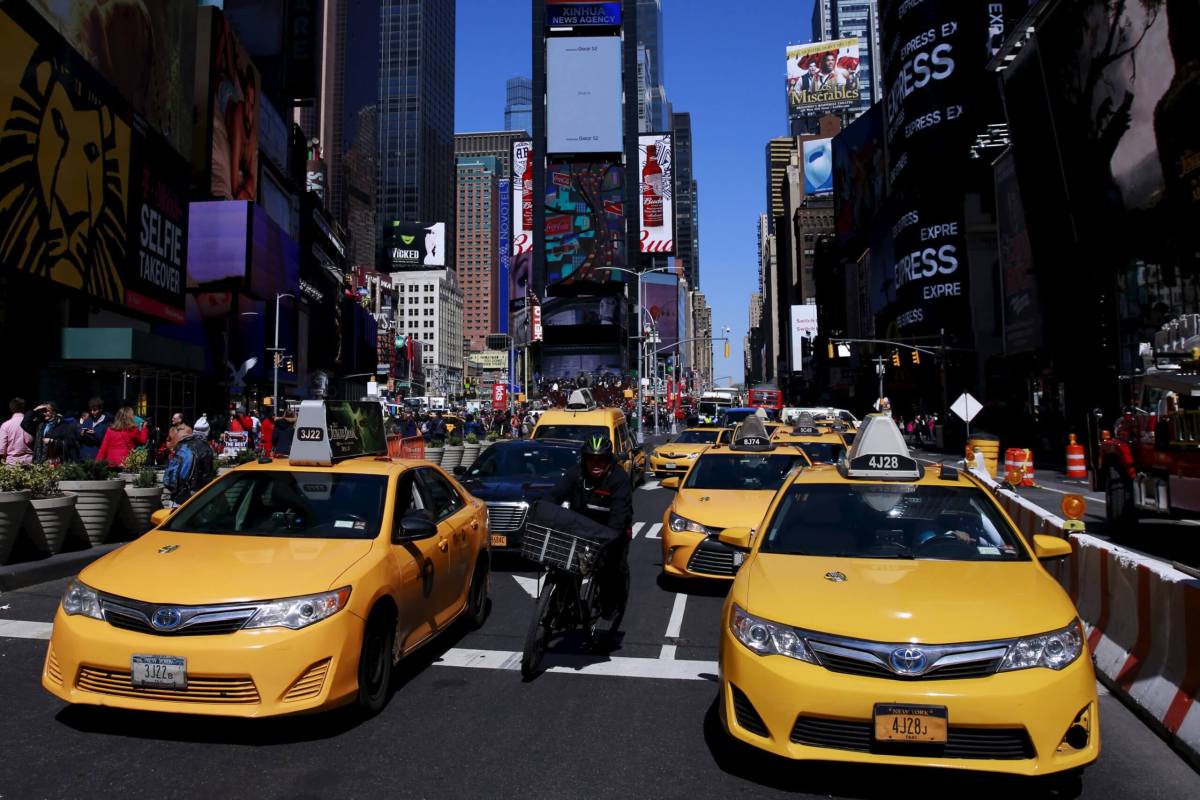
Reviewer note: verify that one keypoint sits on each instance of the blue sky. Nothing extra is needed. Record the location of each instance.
(724, 64)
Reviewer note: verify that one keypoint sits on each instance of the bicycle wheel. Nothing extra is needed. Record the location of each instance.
(602, 628)
(539, 631)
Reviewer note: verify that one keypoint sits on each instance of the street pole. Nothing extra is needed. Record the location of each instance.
(641, 370)
(275, 358)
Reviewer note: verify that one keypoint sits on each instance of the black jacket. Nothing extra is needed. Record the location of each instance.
(63, 433)
(610, 502)
(281, 437)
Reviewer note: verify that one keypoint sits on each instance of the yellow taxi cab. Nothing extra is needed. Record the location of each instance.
(888, 613)
(583, 419)
(674, 457)
(822, 445)
(727, 486)
(281, 587)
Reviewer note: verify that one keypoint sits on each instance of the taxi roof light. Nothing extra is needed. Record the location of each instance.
(879, 453)
(751, 435)
(806, 425)
(328, 431)
(581, 400)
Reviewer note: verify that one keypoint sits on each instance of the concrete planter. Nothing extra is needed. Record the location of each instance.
(49, 522)
(137, 507)
(434, 454)
(470, 453)
(452, 457)
(97, 505)
(13, 508)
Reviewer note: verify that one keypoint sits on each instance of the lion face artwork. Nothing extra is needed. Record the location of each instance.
(64, 186)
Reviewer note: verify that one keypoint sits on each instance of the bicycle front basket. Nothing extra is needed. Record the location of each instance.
(558, 549)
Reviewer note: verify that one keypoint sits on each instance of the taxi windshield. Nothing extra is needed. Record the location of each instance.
(318, 505)
(542, 462)
(891, 521)
(744, 471)
(822, 452)
(574, 433)
(696, 437)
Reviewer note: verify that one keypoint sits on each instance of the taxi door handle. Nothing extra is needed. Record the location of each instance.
(443, 545)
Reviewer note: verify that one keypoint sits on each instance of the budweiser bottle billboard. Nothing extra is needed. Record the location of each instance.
(652, 189)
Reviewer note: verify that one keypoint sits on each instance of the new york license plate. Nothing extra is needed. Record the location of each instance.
(499, 540)
(897, 723)
(671, 465)
(159, 672)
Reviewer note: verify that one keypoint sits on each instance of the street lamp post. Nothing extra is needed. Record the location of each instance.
(275, 359)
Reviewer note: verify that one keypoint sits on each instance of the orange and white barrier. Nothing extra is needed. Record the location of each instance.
(406, 447)
(1076, 460)
(1142, 619)
(1019, 459)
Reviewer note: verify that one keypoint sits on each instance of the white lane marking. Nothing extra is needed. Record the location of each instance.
(652, 532)
(563, 663)
(20, 629)
(1097, 498)
(637, 526)
(648, 485)
(676, 622)
(529, 585)
(667, 653)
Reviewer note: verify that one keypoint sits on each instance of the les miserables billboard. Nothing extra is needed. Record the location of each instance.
(91, 197)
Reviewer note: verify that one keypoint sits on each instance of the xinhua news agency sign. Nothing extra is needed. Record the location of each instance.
(565, 14)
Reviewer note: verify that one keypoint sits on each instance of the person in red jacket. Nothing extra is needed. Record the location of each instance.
(121, 438)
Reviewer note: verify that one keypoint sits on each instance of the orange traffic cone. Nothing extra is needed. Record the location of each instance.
(1076, 461)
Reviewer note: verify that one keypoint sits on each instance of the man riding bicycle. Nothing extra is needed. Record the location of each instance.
(601, 491)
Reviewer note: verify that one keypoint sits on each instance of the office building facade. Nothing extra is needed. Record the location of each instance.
(477, 237)
(518, 105)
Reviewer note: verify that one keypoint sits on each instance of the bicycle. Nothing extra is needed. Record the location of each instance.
(571, 598)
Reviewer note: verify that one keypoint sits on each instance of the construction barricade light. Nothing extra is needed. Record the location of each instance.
(1073, 506)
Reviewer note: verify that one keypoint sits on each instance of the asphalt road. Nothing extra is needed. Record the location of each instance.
(640, 723)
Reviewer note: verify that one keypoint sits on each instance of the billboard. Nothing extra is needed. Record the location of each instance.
(582, 13)
(822, 77)
(583, 94)
(411, 245)
(88, 199)
(521, 187)
(656, 166)
(859, 177)
(660, 296)
(1022, 310)
(146, 50)
(504, 250)
(818, 166)
(584, 221)
(227, 93)
(804, 331)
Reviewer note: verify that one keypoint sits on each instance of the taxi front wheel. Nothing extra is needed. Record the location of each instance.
(478, 602)
(375, 663)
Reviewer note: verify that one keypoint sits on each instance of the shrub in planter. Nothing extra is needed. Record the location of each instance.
(134, 463)
(99, 496)
(14, 505)
(142, 498)
(52, 509)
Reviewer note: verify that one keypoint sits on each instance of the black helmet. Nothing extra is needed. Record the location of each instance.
(596, 456)
(597, 446)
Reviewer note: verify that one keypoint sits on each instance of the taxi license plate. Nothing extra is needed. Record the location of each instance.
(499, 540)
(159, 672)
(896, 723)
(671, 465)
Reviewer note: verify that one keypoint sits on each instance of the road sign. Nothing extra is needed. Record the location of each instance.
(966, 407)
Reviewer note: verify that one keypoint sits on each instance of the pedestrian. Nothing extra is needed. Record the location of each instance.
(122, 436)
(439, 428)
(177, 418)
(192, 466)
(91, 430)
(282, 434)
(408, 426)
(266, 433)
(55, 436)
(14, 440)
(202, 425)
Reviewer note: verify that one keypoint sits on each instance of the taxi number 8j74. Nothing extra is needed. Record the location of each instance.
(884, 462)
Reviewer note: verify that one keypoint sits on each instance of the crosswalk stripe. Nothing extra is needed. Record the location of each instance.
(20, 629)
(568, 664)
(648, 485)
(652, 533)
(637, 526)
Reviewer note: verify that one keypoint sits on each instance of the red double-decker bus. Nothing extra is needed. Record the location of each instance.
(770, 399)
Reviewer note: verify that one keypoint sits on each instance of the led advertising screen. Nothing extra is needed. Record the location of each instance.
(818, 166)
(217, 241)
(804, 331)
(822, 77)
(859, 177)
(582, 13)
(522, 197)
(226, 100)
(584, 221)
(583, 94)
(656, 166)
(88, 199)
(411, 245)
(660, 296)
(504, 249)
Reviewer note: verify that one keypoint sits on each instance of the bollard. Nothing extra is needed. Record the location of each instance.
(1076, 461)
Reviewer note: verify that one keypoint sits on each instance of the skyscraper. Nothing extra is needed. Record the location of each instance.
(323, 120)
(488, 143)
(654, 112)
(416, 112)
(844, 19)
(518, 105)
(687, 218)
(478, 235)
(360, 177)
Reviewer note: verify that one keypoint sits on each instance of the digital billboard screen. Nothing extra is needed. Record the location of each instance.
(804, 331)
(656, 192)
(582, 13)
(822, 77)
(411, 245)
(227, 93)
(660, 296)
(504, 250)
(859, 177)
(584, 221)
(217, 242)
(583, 94)
(818, 166)
(521, 187)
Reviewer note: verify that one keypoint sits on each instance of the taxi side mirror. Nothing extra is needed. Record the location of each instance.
(414, 526)
(740, 538)
(1050, 547)
(670, 483)
(160, 516)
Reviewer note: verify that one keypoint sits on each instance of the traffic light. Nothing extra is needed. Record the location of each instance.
(278, 359)
(291, 364)
(727, 349)
(895, 358)
(916, 357)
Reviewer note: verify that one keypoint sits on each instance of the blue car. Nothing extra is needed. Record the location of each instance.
(510, 476)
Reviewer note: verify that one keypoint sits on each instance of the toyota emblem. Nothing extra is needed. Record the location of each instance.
(836, 577)
(166, 619)
(908, 660)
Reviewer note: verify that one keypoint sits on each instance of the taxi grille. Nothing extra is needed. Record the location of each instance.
(1005, 744)
(308, 685)
(240, 690)
(713, 558)
(854, 666)
(53, 670)
(506, 517)
(133, 615)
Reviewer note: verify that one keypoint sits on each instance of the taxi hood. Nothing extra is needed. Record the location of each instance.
(891, 600)
(210, 568)
(723, 508)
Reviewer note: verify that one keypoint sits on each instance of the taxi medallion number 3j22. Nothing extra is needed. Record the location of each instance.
(310, 434)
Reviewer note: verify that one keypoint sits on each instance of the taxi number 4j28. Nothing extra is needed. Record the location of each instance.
(883, 462)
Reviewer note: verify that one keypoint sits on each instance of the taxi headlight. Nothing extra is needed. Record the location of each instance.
(1053, 650)
(768, 638)
(693, 455)
(81, 599)
(680, 524)
(300, 612)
